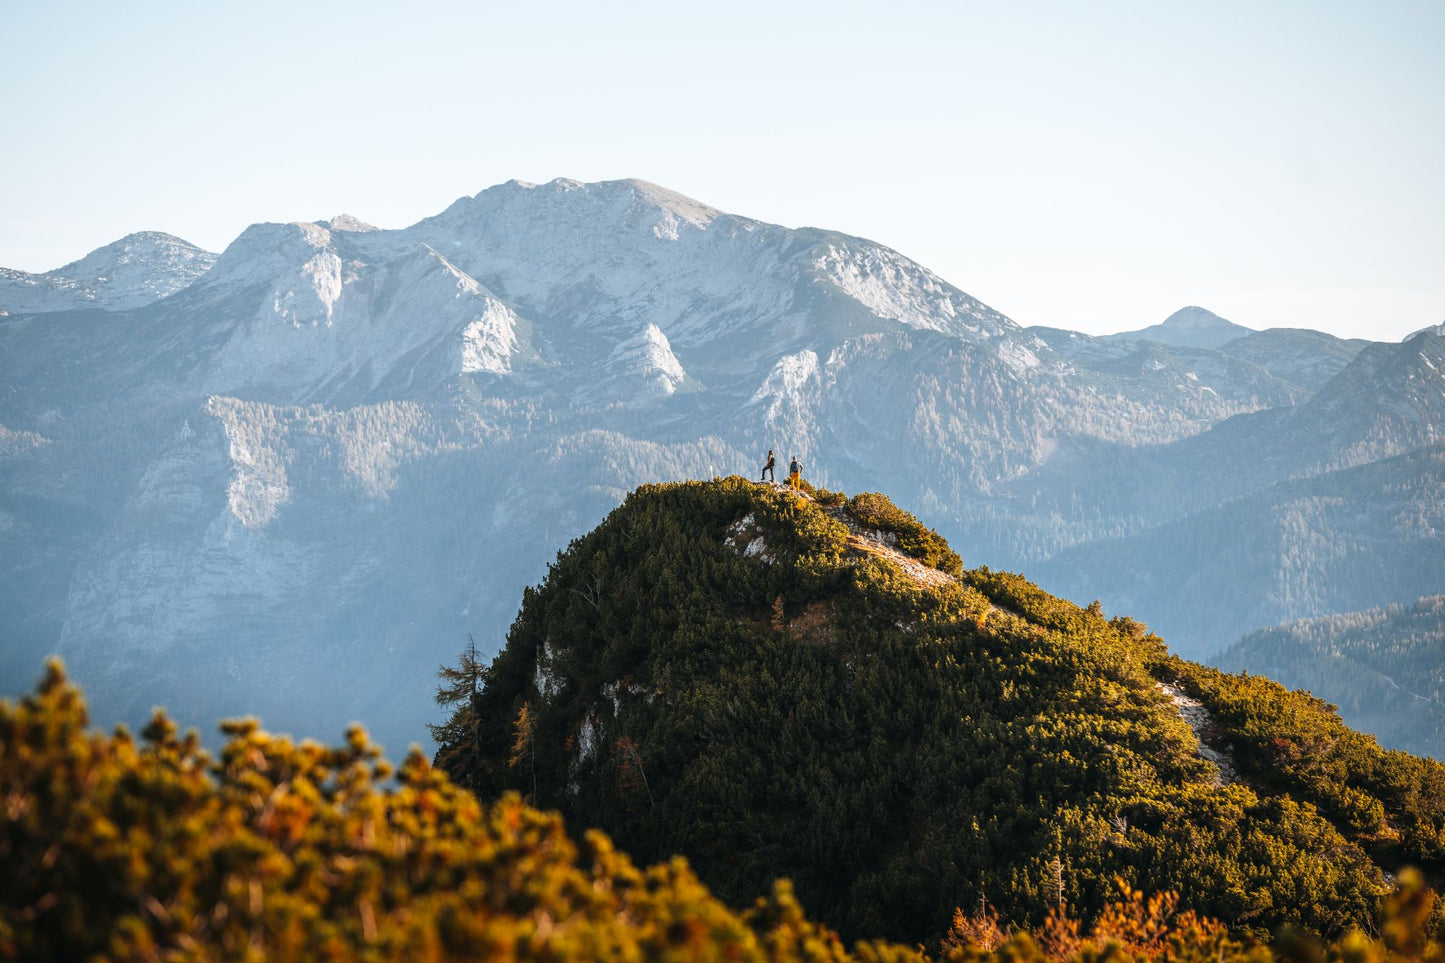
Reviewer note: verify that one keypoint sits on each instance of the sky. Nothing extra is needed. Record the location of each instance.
(1092, 166)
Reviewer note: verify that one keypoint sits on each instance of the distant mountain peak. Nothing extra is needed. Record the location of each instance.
(611, 256)
(345, 222)
(629, 192)
(1189, 327)
(264, 250)
(137, 269)
(1194, 317)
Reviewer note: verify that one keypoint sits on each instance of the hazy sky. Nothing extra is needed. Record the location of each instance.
(1088, 165)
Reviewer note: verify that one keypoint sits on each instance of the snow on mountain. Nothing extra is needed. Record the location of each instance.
(340, 313)
(639, 368)
(135, 270)
(271, 254)
(615, 256)
(1017, 356)
(1388, 401)
(891, 286)
(489, 343)
(345, 222)
(561, 274)
(783, 387)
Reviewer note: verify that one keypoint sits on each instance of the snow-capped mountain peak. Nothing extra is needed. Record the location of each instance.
(603, 260)
(136, 270)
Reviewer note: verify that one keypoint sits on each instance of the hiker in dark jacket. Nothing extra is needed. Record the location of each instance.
(768, 469)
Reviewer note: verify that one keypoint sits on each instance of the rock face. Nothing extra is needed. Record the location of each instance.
(340, 450)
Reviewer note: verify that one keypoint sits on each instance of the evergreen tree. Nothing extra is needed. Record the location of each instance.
(458, 742)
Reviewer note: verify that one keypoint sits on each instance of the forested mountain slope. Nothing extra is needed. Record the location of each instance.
(1310, 544)
(777, 684)
(1383, 667)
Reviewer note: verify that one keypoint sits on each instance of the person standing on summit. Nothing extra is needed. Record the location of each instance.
(795, 474)
(768, 469)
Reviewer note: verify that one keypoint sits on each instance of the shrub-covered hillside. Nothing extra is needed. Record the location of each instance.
(811, 687)
(117, 849)
(1384, 668)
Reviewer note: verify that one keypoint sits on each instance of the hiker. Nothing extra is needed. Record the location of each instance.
(795, 474)
(768, 469)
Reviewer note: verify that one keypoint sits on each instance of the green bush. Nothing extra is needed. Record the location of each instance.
(874, 511)
(1290, 741)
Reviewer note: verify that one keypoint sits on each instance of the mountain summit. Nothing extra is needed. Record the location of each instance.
(136, 270)
(809, 685)
(1191, 327)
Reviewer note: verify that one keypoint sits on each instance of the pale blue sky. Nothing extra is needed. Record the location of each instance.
(1085, 165)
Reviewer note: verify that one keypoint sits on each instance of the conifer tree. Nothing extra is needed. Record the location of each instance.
(458, 739)
(523, 746)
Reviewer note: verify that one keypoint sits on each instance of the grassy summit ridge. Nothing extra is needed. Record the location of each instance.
(812, 687)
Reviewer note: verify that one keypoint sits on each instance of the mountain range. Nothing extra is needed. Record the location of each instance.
(333, 451)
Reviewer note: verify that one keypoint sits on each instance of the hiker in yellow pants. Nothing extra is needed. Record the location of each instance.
(795, 474)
